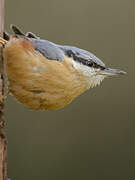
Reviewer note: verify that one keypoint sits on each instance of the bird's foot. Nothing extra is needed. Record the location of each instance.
(3, 42)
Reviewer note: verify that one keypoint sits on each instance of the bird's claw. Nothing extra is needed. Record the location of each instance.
(3, 42)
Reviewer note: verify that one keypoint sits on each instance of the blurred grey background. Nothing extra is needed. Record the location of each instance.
(93, 137)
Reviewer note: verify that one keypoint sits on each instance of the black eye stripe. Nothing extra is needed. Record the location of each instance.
(89, 63)
(69, 53)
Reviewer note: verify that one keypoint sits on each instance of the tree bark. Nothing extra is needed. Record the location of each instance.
(3, 141)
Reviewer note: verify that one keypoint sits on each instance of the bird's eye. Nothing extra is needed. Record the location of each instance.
(90, 63)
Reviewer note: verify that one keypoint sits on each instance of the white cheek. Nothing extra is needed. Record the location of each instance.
(87, 71)
(93, 79)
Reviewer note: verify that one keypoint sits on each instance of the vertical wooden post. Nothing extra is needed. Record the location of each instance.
(3, 141)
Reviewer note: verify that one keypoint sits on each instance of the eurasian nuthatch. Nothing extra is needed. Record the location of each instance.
(43, 75)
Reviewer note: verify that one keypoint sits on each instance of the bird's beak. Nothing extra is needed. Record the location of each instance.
(111, 72)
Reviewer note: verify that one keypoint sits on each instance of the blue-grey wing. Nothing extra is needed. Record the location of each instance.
(48, 49)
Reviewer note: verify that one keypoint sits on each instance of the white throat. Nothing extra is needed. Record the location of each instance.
(93, 78)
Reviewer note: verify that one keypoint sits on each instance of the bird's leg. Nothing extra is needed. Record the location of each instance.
(3, 41)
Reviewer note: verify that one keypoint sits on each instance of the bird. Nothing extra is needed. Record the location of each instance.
(43, 75)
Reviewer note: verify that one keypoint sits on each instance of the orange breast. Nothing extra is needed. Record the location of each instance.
(37, 82)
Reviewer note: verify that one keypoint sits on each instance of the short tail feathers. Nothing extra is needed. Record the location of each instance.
(18, 32)
(31, 35)
(6, 36)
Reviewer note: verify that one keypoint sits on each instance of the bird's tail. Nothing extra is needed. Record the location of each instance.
(18, 33)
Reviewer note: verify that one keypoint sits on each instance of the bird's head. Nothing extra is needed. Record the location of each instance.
(95, 72)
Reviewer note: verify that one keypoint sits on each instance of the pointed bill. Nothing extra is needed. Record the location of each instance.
(111, 72)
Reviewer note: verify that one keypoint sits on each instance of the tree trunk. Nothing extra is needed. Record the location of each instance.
(3, 141)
